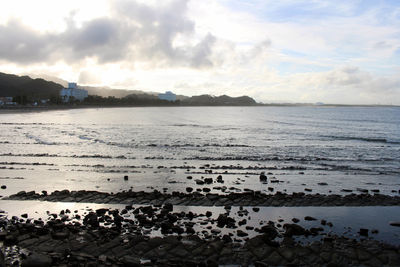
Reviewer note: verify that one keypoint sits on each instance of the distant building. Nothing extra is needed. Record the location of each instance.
(169, 96)
(7, 100)
(73, 91)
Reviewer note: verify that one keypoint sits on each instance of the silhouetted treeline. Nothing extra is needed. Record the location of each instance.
(27, 89)
(151, 100)
(131, 100)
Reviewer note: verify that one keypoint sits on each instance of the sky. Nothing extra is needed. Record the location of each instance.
(339, 52)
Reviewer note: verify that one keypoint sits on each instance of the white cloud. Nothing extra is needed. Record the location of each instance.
(271, 50)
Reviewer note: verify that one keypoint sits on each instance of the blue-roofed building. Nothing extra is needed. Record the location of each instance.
(169, 96)
(73, 91)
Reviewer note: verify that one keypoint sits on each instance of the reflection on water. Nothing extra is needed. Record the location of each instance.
(345, 221)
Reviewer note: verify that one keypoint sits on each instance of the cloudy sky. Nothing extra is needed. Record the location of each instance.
(275, 51)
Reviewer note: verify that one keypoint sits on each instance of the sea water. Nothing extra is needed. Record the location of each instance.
(159, 147)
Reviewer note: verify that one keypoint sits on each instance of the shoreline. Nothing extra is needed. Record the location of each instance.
(107, 236)
(23, 109)
(250, 198)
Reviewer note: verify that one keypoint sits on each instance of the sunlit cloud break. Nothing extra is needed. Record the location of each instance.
(275, 51)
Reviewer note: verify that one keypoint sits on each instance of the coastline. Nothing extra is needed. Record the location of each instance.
(27, 109)
(109, 236)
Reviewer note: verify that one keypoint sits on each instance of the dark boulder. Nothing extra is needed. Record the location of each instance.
(91, 219)
(225, 220)
(263, 177)
(37, 260)
(294, 229)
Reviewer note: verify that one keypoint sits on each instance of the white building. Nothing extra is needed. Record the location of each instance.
(7, 100)
(73, 91)
(169, 96)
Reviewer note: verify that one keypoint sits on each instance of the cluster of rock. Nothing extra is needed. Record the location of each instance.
(248, 198)
(106, 237)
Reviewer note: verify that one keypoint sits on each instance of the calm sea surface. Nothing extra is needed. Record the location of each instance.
(322, 149)
(345, 147)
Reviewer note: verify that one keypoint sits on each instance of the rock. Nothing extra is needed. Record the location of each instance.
(126, 177)
(255, 209)
(168, 207)
(395, 224)
(37, 260)
(25, 215)
(322, 183)
(316, 230)
(130, 261)
(294, 229)
(308, 189)
(363, 232)
(240, 233)
(263, 177)
(295, 220)
(189, 189)
(309, 218)
(208, 213)
(199, 182)
(189, 177)
(347, 190)
(190, 230)
(208, 180)
(362, 190)
(242, 222)
(225, 220)
(227, 239)
(275, 259)
(91, 219)
(10, 239)
(60, 235)
(269, 231)
(3, 187)
(363, 255)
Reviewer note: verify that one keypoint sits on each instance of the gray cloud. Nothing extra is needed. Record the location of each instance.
(19, 43)
(201, 52)
(134, 32)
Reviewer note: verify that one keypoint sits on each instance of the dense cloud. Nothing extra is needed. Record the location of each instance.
(134, 32)
(19, 43)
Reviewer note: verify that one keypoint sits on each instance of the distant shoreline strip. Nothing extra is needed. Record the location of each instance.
(251, 198)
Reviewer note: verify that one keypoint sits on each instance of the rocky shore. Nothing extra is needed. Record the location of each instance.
(107, 237)
(248, 198)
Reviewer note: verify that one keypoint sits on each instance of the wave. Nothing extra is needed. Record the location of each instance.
(197, 145)
(364, 139)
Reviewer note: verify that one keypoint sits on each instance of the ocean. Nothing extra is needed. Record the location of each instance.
(158, 147)
(325, 150)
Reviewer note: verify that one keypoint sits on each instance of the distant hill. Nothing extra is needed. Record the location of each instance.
(13, 85)
(223, 100)
(102, 91)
